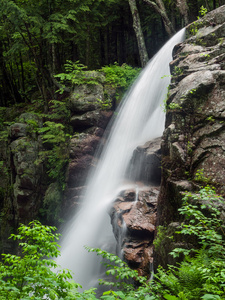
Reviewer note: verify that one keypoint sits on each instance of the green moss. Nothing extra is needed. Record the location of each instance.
(51, 208)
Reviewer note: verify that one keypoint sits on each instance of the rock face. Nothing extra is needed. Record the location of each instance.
(23, 184)
(27, 191)
(193, 148)
(133, 214)
(89, 122)
(146, 161)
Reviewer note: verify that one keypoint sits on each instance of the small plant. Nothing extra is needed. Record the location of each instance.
(200, 177)
(32, 127)
(203, 11)
(4, 135)
(220, 41)
(189, 148)
(126, 281)
(210, 119)
(193, 91)
(193, 29)
(177, 71)
(174, 106)
(195, 25)
(205, 55)
(204, 219)
(58, 110)
(104, 104)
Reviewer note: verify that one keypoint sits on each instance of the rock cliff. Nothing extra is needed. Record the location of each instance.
(45, 159)
(193, 147)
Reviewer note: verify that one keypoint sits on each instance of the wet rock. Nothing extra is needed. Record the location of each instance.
(133, 217)
(139, 255)
(146, 163)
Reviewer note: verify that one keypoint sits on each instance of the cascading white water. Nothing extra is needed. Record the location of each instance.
(140, 119)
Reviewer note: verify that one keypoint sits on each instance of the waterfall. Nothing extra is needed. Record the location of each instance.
(140, 118)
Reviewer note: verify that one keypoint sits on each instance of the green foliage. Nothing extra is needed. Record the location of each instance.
(56, 153)
(201, 178)
(32, 274)
(75, 75)
(32, 127)
(210, 119)
(120, 76)
(202, 212)
(203, 11)
(199, 276)
(177, 71)
(174, 106)
(115, 75)
(196, 25)
(126, 284)
(161, 236)
(104, 104)
(3, 125)
(4, 134)
(193, 29)
(59, 110)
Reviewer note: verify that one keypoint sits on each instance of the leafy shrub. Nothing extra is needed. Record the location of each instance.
(32, 275)
(201, 274)
(75, 75)
(120, 76)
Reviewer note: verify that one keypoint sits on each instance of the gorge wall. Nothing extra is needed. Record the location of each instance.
(193, 146)
(45, 159)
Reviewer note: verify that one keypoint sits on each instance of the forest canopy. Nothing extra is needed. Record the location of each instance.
(38, 37)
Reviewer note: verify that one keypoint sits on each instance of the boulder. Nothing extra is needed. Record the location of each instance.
(146, 163)
(90, 119)
(86, 98)
(133, 218)
(17, 130)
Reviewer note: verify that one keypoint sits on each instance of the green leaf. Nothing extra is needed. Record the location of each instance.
(210, 297)
(170, 297)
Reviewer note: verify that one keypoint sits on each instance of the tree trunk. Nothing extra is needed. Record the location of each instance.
(160, 9)
(207, 5)
(139, 34)
(87, 54)
(183, 8)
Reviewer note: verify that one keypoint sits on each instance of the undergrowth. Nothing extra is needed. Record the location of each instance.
(200, 275)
